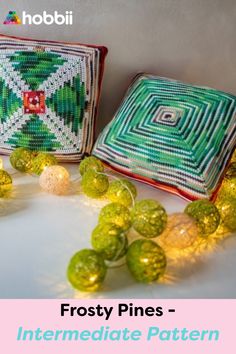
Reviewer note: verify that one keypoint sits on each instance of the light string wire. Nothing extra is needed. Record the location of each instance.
(121, 182)
(110, 266)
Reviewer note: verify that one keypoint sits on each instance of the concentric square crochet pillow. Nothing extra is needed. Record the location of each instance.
(172, 135)
(49, 94)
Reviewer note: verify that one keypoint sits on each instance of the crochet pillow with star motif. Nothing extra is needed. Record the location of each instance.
(175, 136)
(49, 94)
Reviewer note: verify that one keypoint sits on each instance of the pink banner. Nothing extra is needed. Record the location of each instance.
(113, 326)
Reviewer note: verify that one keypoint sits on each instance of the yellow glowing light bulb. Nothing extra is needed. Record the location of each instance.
(93, 278)
(55, 180)
(181, 231)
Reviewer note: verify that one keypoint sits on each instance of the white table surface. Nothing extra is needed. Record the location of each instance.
(40, 232)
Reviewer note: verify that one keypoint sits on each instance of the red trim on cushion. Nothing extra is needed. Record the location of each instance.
(104, 52)
(164, 187)
(149, 181)
(102, 48)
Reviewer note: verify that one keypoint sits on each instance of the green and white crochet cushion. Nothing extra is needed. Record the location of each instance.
(172, 135)
(49, 94)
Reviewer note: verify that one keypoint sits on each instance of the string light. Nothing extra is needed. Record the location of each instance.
(149, 218)
(181, 231)
(55, 180)
(227, 209)
(117, 214)
(122, 191)
(90, 163)
(5, 183)
(21, 159)
(146, 260)
(94, 184)
(109, 240)
(86, 270)
(42, 161)
(205, 214)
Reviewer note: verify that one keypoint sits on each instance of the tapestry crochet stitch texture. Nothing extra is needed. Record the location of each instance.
(172, 135)
(49, 94)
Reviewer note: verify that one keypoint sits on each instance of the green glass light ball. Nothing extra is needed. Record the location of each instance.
(149, 218)
(146, 260)
(231, 172)
(5, 183)
(122, 191)
(109, 240)
(21, 159)
(86, 270)
(41, 161)
(227, 209)
(117, 214)
(205, 214)
(228, 187)
(94, 184)
(90, 163)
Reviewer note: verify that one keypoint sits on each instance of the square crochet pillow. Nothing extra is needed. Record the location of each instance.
(172, 135)
(49, 94)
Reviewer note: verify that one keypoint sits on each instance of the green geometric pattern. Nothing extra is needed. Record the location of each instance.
(9, 102)
(172, 135)
(29, 136)
(69, 103)
(48, 96)
(35, 67)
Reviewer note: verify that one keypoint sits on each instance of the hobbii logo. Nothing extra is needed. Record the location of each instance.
(37, 19)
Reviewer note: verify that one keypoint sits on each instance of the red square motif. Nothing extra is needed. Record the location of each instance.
(34, 102)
